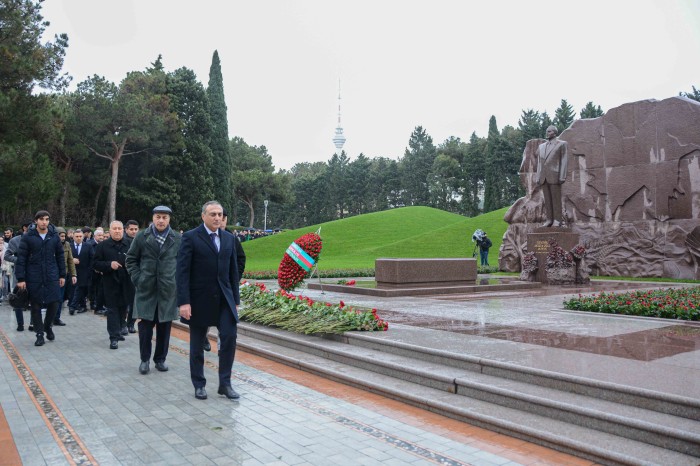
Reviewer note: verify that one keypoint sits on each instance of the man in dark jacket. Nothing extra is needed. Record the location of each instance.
(41, 268)
(110, 260)
(82, 258)
(151, 263)
(207, 295)
(11, 251)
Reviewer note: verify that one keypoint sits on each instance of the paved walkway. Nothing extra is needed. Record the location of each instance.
(74, 401)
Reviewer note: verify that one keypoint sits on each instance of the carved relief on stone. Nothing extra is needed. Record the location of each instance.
(632, 191)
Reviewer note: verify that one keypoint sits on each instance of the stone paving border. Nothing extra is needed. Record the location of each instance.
(66, 438)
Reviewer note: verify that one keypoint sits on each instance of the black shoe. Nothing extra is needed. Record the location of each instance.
(143, 368)
(71, 311)
(113, 344)
(121, 338)
(207, 345)
(81, 310)
(131, 329)
(161, 366)
(200, 393)
(49, 334)
(20, 328)
(124, 331)
(59, 322)
(30, 328)
(39, 340)
(229, 392)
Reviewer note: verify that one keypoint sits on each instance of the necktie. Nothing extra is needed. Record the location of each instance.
(79, 248)
(213, 240)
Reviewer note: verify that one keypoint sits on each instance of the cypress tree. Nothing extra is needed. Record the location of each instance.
(223, 187)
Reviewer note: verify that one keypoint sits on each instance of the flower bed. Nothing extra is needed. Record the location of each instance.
(672, 303)
(301, 314)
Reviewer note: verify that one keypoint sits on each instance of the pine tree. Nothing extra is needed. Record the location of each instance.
(190, 162)
(222, 170)
(530, 125)
(695, 95)
(591, 111)
(415, 167)
(564, 116)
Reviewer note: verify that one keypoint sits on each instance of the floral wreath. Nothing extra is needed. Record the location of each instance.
(298, 261)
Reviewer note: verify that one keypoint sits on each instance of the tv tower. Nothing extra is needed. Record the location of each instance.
(339, 138)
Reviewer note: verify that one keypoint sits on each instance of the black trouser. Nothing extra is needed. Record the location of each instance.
(116, 319)
(227, 350)
(39, 326)
(19, 314)
(79, 295)
(130, 317)
(162, 338)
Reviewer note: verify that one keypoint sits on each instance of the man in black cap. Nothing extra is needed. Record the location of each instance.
(151, 262)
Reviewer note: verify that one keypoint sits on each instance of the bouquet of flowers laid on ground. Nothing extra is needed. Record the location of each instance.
(301, 314)
(530, 264)
(298, 260)
(557, 258)
(578, 252)
(347, 282)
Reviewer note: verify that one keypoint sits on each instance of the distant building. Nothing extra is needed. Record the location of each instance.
(339, 138)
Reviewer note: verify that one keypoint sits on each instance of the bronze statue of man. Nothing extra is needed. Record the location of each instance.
(552, 158)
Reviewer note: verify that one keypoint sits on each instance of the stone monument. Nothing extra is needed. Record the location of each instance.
(632, 191)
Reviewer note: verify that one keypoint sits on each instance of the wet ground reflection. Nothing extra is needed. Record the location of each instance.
(645, 345)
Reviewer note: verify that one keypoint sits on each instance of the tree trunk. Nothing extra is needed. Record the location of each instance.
(64, 193)
(97, 203)
(112, 200)
(249, 203)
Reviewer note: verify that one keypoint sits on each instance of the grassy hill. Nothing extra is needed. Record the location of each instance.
(406, 232)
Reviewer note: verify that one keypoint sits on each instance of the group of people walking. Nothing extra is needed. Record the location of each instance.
(155, 276)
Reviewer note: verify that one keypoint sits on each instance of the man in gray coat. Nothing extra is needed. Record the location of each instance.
(151, 263)
(552, 162)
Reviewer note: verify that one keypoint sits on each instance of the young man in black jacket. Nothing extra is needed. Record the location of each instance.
(41, 269)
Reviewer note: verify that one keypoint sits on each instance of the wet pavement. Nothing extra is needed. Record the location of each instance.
(75, 401)
(531, 328)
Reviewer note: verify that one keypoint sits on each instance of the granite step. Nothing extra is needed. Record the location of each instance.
(554, 400)
(586, 442)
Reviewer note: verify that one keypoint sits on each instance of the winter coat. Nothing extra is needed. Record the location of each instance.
(118, 290)
(41, 263)
(70, 266)
(152, 271)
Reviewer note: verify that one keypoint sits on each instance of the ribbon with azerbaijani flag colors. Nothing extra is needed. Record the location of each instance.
(300, 256)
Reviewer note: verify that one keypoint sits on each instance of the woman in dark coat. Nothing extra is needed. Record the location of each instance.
(41, 268)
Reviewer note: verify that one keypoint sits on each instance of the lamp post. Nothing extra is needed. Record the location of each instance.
(265, 224)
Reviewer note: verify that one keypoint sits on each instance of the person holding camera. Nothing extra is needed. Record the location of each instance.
(484, 244)
(110, 259)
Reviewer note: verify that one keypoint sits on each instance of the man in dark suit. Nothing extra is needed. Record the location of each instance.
(551, 173)
(207, 295)
(82, 258)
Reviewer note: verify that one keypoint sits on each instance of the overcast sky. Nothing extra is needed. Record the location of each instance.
(445, 65)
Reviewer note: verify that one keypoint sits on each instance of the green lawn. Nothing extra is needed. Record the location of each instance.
(406, 232)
